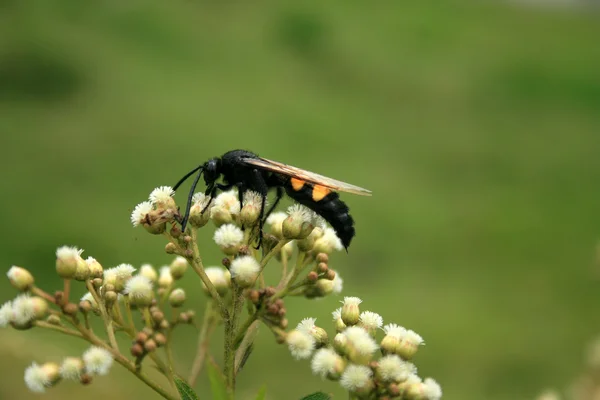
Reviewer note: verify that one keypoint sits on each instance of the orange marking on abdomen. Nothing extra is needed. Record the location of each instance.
(297, 184)
(319, 192)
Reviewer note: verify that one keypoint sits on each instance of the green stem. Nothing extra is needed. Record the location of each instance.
(129, 315)
(66, 291)
(208, 325)
(41, 293)
(66, 331)
(290, 280)
(230, 330)
(242, 331)
(105, 317)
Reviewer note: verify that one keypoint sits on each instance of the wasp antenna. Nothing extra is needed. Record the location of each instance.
(200, 167)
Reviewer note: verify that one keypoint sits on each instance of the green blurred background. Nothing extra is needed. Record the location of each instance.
(476, 125)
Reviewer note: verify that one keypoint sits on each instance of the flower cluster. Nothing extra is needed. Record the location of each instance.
(145, 305)
(350, 357)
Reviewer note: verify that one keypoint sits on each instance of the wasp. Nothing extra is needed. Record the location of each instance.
(247, 171)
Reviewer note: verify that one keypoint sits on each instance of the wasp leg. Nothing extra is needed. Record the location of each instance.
(189, 201)
(259, 184)
(278, 196)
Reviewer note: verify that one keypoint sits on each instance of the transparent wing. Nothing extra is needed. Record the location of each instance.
(307, 176)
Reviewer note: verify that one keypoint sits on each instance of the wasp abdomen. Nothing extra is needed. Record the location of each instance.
(325, 203)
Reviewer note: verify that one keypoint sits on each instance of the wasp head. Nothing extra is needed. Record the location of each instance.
(212, 170)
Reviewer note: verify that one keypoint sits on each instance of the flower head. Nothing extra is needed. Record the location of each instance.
(97, 360)
(23, 310)
(5, 314)
(350, 310)
(162, 196)
(301, 344)
(199, 212)
(298, 223)
(228, 202)
(149, 272)
(328, 242)
(356, 377)
(361, 341)
(275, 221)
(67, 260)
(140, 212)
(229, 237)
(338, 283)
(220, 278)
(178, 267)
(371, 321)
(244, 270)
(20, 278)
(326, 362)
(433, 390)
(392, 368)
(72, 368)
(165, 278)
(39, 377)
(139, 290)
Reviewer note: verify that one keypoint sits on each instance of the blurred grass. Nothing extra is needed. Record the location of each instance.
(475, 125)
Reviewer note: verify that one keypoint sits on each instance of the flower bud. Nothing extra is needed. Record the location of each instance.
(165, 278)
(177, 297)
(370, 322)
(328, 364)
(244, 271)
(110, 297)
(340, 344)
(94, 267)
(357, 379)
(340, 326)
(149, 272)
(409, 345)
(198, 218)
(150, 345)
(72, 368)
(82, 273)
(220, 216)
(170, 248)
(350, 311)
(220, 278)
(178, 267)
(20, 278)
(52, 371)
(323, 287)
(53, 319)
(249, 214)
(39, 307)
(67, 259)
(139, 290)
(308, 243)
(328, 242)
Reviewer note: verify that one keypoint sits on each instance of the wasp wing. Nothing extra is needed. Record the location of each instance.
(307, 176)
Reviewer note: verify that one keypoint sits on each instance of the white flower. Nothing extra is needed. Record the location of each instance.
(219, 277)
(228, 236)
(97, 360)
(337, 314)
(328, 242)
(5, 314)
(228, 201)
(149, 272)
(161, 195)
(326, 361)
(370, 320)
(165, 278)
(307, 325)
(37, 378)
(200, 199)
(351, 301)
(301, 344)
(124, 271)
(253, 198)
(361, 340)
(394, 330)
(71, 368)
(139, 212)
(139, 289)
(338, 283)
(433, 390)
(356, 377)
(413, 338)
(300, 213)
(244, 270)
(393, 368)
(275, 221)
(68, 252)
(23, 310)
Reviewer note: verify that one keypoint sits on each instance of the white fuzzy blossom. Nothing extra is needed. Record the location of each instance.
(228, 201)
(338, 283)
(139, 212)
(124, 271)
(301, 344)
(244, 270)
(275, 221)
(324, 362)
(71, 368)
(97, 360)
(413, 338)
(337, 314)
(139, 287)
(228, 235)
(328, 242)
(5, 314)
(433, 390)
(161, 195)
(356, 377)
(300, 213)
(361, 340)
(165, 278)
(393, 368)
(351, 301)
(65, 252)
(371, 320)
(23, 310)
(394, 330)
(253, 198)
(37, 378)
(307, 325)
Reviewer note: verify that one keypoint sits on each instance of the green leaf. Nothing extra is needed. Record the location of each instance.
(261, 393)
(217, 383)
(317, 396)
(185, 391)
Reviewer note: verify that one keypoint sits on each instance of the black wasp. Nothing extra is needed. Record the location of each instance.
(247, 171)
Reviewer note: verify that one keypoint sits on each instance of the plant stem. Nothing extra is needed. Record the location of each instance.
(130, 322)
(196, 262)
(230, 331)
(41, 293)
(250, 333)
(66, 291)
(242, 331)
(208, 325)
(105, 317)
(66, 331)
(290, 280)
